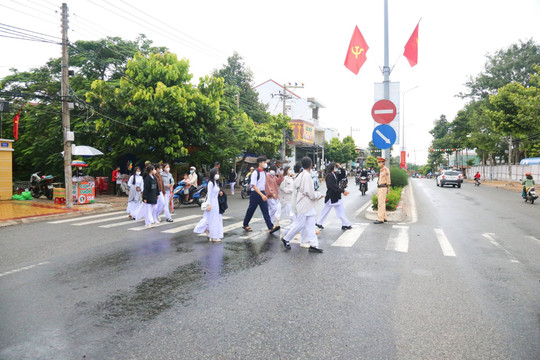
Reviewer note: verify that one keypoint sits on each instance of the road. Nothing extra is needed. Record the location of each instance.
(462, 282)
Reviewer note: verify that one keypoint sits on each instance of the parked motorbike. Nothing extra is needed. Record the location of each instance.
(531, 195)
(41, 185)
(476, 182)
(196, 195)
(363, 185)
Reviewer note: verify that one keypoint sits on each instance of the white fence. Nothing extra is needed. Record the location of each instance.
(500, 172)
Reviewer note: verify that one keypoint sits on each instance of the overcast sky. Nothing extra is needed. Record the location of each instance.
(303, 41)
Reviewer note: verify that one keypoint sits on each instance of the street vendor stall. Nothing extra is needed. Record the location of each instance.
(84, 187)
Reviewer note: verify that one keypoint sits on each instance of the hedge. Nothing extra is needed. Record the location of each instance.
(392, 199)
(398, 177)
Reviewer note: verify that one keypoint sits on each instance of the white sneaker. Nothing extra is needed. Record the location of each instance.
(215, 239)
(305, 245)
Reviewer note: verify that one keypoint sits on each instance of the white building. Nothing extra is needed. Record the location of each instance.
(309, 136)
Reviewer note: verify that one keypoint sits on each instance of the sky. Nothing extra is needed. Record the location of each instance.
(305, 42)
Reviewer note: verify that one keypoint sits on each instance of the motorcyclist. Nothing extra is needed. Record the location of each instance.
(527, 183)
(364, 172)
(477, 176)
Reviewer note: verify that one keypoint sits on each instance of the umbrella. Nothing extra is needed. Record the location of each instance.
(78, 163)
(84, 150)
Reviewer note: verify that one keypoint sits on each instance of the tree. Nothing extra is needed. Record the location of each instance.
(156, 113)
(371, 162)
(340, 152)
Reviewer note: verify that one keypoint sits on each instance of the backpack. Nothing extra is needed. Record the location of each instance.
(249, 182)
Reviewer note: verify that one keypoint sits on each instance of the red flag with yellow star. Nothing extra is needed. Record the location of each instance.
(356, 53)
(16, 125)
(411, 48)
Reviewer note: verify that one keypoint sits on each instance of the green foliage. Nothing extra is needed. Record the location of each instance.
(393, 199)
(340, 151)
(371, 162)
(426, 169)
(399, 177)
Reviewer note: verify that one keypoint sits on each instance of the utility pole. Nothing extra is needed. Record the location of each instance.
(386, 70)
(68, 135)
(284, 113)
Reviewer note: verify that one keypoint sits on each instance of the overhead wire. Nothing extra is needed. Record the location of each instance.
(35, 17)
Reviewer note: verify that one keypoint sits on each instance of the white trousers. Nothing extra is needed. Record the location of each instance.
(305, 224)
(159, 206)
(274, 209)
(146, 211)
(232, 187)
(340, 212)
(167, 204)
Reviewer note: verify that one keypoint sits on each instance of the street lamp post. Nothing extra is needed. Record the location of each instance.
(403, 118)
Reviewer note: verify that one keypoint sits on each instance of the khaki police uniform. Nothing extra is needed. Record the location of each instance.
(382, 189)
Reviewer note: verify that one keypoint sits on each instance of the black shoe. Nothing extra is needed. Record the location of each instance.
(314, 249)
(346, 227)
(378, 222)
(319, 226)
(385, 220)
(169, 220)
(286, 244)
(276, 228)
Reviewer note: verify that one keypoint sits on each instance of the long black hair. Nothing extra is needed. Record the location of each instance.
(213, 173)
(135, 173)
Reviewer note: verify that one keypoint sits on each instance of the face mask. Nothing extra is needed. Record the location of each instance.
(216, 177)
(191, 171)
(154, 172)
(161, 171)
(167, 169)
(265, 165)
(138, 173)
(290, 172)
(272, 172)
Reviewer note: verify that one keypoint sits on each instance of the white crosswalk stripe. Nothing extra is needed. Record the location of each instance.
(128, 222)
(101, 220)
(350, 237)
(491, 239)
(446, 247)
(79, 218)
(399, 240)
(163, 222)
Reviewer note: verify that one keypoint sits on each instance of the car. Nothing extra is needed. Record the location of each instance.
(449, 178)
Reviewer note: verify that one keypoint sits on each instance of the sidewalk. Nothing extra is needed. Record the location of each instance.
(14, 212)
(505, 185)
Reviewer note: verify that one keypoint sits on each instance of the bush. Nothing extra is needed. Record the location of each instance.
(393, 198)
(398, 177)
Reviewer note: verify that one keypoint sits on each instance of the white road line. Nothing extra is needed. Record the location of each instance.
(533, 238)
(22, 269)
(129, 222)
(164, 222)
(399, 241)
(491, 238)
(125, 216)
(446, 247)
(238, 225)
(79, 218)
(349, 237)
(414, 213)
(364, 207)
(180, 228)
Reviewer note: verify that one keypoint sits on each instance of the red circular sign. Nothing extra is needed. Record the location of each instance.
(383, 111)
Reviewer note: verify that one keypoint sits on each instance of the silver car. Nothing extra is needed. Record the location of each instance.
(449, 178)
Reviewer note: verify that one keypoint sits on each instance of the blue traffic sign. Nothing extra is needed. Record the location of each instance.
(384, 136)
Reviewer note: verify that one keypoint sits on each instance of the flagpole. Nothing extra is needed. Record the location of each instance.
(386, 71)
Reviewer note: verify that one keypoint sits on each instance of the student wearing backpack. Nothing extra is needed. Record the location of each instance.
(258, 198)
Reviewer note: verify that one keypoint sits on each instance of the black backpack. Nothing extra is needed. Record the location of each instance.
(249, 181)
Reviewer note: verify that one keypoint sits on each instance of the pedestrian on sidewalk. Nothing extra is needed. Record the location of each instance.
(273, 180)
(149, 196)
(333, 197)
(258, 198)
(117, 181)
(168, 182)
(306, 201)
(232, 179)
(383, 187)
(212, 220)
(136, 186)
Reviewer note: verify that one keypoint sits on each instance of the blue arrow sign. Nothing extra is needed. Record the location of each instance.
(384, 136)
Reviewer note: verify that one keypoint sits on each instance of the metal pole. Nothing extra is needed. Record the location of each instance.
(283, 131)
(65, 110)
(386, 70)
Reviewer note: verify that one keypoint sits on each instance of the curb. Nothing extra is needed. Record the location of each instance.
(32, 219)
(395, 216)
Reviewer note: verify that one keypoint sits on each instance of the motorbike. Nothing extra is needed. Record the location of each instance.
(476, 182)
(41, 185)
(531, 195)
(196, 195)
(363, 185)
(244, 192)
(357, 179)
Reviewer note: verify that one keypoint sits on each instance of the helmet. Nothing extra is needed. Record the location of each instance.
(527, 173)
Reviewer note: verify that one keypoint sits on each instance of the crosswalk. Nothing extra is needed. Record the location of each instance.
(397, 236)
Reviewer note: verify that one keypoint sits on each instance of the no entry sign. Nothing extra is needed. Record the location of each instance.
(383, 111)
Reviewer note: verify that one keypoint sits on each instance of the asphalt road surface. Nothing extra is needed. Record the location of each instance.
(460, 282)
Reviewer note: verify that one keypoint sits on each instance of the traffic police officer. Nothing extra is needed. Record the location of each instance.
(383, 187)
